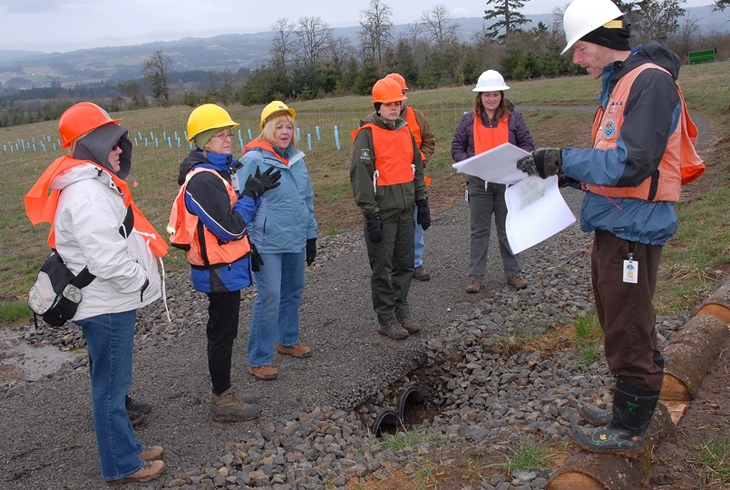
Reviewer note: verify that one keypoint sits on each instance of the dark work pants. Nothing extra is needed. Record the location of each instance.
(222, 331)
(625, 310)
(391, 262)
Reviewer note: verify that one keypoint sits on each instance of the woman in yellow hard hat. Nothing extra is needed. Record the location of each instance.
(208, 220)
(285, 233)
(387, 181)
(101, 235)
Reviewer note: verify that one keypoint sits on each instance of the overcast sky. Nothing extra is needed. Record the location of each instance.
(67, 25)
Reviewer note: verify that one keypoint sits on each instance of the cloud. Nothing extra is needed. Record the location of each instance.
(30, 6)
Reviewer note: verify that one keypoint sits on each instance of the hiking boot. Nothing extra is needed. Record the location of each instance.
(151, 453)
(393, 330)
(136, 405)
(420, 275)
(296, 350)
(409, 325)
(150, 471)
(473, 286)
(517, 282)
(135, 418)
(230, 406)
(264, 372)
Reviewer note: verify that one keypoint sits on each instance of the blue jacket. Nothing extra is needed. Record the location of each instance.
(652, 113)
(285, 218)
(206, 197)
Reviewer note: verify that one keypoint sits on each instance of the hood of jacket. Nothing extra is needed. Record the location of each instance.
(84, 171)
(97, 145)
(214, 161)
(655, 51)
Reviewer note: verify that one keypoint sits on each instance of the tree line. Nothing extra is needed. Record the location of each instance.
(308, 61)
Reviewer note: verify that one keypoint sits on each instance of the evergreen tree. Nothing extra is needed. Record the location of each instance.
(511, 18)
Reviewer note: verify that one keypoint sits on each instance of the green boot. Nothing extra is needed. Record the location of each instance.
(598, 417)
(633, 409)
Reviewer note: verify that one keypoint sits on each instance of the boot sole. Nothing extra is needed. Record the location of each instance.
(289, 353)
(143, 479)
(234, 419)
(381, 332)
(264, 377)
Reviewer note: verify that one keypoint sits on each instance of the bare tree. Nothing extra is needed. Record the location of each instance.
(282, 48)
(511, 20)
(313, 37)
(721, 5)
(440, 27)
(654, 18)
(339, 52)
(155, 72)
(376, 32)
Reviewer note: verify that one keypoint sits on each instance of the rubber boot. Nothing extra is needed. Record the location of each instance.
(598, 417)
(633, 409)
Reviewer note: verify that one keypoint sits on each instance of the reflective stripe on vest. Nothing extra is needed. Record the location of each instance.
(186, 229)
(680, 162)
(487, 138)
(415, 129)
(393, 155)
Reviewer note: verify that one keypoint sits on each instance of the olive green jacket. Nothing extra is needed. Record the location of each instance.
(389, 200)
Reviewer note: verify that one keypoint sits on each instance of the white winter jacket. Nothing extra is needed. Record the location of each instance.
(87, 222)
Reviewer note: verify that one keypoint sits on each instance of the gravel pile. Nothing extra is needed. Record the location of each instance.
(316, 431)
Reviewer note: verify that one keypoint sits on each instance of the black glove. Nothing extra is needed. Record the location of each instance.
(256, 260)
(261, 182)
(423, 217)
(375, 228)
(311, 250)
(544, 162)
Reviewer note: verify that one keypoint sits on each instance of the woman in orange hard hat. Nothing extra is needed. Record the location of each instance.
(387, 181)
(95, 226)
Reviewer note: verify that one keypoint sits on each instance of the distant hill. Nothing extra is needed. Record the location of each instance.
(25, 69)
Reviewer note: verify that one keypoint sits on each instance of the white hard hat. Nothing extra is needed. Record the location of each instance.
(584, 16)
(490, 81)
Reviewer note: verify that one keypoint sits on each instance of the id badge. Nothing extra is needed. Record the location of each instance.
(631, 271)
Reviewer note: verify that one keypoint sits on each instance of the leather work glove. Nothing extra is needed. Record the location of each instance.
(544, 162)
(256, 260)
(375, 228)
(423, 217)
(261, 182)
(311, 250)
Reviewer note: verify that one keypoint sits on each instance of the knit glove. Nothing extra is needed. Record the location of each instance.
(544, 162)
(423, 216)
(311, 250)
(375, 228)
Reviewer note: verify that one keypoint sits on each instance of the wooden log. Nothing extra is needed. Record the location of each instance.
(606, 471)
(691, 354)
(718, 304)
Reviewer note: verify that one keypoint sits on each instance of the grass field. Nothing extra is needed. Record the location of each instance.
(694, 259)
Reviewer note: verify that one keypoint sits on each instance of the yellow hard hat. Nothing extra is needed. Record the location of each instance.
(273, 108)
(208, 116)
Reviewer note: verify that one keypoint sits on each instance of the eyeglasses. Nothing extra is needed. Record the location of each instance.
(223, 136)
(117, 145)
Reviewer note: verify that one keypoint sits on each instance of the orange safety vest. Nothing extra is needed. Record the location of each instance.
(680, 163)
(40, 206)
(393, 154)
(186, 231)
(487, 138)
(415, 129)
(255, 143)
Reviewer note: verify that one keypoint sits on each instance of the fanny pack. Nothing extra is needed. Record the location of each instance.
(56, 293)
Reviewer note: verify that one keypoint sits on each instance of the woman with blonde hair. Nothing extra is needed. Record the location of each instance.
(284, 232)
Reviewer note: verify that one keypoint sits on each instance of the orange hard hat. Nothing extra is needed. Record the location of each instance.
(398, 78)
(387, 90)
(81, 118)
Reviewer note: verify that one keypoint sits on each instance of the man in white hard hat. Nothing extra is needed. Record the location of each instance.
(642, 154)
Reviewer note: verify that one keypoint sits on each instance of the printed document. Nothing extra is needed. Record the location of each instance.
(496, 165)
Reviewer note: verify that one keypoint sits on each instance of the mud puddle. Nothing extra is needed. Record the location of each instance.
(19, 360)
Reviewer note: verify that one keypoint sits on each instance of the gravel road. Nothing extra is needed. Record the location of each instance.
(314, 432)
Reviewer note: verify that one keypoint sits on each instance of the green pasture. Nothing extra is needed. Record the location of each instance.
(697, 250)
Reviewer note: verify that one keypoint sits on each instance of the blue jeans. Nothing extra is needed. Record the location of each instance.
(420, 244)
(275, 318)
(110, 339)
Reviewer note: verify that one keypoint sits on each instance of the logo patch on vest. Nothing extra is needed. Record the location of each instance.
(610, 129)
(365, 154)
